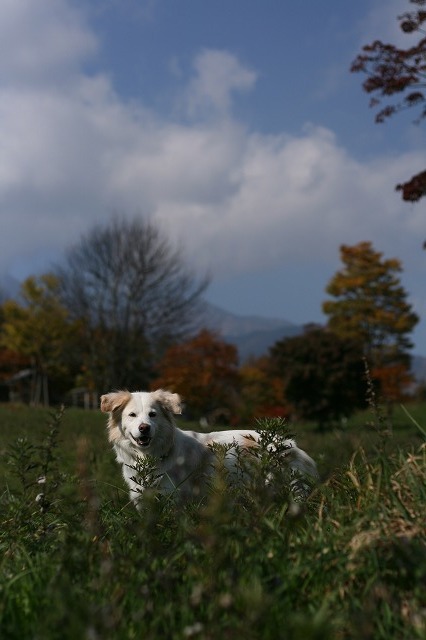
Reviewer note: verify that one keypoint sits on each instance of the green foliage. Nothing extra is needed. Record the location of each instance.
(348, 562)
(323, 375)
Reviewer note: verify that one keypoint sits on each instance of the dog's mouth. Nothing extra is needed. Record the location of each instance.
(142, 441)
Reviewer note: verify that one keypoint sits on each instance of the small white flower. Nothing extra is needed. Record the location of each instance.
(41, 480)
(39, 497)
(192, 629)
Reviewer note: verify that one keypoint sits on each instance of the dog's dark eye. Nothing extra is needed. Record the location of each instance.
(132, 415)
(152, 414)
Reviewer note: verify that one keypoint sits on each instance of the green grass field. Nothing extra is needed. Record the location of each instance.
(77, 561)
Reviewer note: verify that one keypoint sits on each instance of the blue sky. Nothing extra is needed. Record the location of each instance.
(235, 124)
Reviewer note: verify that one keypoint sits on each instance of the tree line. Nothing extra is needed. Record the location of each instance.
(123, 309)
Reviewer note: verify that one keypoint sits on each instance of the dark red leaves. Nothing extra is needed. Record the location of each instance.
(385, 113)
(414, 98)
(392, 71)
(414, 189)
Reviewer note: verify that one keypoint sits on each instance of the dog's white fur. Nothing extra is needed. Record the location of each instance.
(142, 423)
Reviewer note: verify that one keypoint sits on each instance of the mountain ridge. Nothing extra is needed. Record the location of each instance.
(234, 324)
(252, 335)
(255, 335)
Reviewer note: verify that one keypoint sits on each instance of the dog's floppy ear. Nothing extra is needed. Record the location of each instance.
(114, 401)
(170, 401)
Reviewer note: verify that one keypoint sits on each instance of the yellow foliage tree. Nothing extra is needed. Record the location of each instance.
(370, 305)
(39, 329)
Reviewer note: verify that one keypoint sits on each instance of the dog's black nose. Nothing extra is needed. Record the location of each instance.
(144, 428)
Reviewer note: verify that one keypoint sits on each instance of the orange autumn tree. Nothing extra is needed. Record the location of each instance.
(262, 392)
(370, 305)
(204, 370)
(395, 380)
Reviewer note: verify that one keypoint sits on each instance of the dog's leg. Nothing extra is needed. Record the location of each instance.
(301, 465)
(298, 460)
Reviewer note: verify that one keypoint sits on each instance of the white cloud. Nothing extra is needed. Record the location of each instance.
(381, 23)
(295, 199)
(218, 75)
(41, 40)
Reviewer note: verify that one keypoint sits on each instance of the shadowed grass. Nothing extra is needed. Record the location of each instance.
(80, 562)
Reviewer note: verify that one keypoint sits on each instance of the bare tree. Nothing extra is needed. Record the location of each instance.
(134, 296)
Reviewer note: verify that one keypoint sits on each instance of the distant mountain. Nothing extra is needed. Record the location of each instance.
(258, 343)
(418, 367)
(252, 335)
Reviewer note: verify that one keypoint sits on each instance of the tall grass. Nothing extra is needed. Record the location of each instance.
(78, 561)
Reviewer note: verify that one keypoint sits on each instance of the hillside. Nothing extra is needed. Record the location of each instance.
(418, 367)
(254, 335)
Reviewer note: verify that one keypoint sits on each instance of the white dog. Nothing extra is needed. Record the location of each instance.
(142, 423)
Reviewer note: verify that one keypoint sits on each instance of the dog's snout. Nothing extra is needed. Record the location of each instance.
(144, 428)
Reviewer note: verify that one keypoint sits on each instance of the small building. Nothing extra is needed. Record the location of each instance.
(84, 397)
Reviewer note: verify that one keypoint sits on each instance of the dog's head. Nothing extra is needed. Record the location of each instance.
(144, 418)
